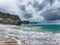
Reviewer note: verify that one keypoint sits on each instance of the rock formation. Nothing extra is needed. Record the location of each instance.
(6, 18)
(28, 22)
(25, 22)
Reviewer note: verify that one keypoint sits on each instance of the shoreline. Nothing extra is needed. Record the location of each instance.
(7, 41)
(24, 37)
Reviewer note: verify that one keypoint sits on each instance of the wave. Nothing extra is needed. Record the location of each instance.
(24, 37)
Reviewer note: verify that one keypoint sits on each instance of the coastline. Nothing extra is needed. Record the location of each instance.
(7, 41)
(24, 37)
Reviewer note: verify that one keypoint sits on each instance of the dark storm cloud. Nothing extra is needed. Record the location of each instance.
(52, 14)
(27, 15)
(38, 6)
(39, 10)
(49, 14)
(51, 1)
(22, 8)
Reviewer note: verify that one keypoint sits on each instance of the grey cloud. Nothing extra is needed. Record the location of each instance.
(21, 8)
(51, 1)
(52, 14)
(27, 15)
(38, 6)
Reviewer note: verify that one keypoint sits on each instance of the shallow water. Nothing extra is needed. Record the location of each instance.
(45, 28)
(25, 37)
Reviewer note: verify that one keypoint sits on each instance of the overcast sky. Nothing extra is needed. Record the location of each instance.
(33, 10)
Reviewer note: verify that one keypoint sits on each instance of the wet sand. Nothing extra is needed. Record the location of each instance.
(11, 35)
(7, 41)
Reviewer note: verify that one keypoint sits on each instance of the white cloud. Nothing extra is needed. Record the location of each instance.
(9, 6)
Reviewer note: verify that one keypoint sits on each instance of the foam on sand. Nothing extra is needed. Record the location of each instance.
(30, 37)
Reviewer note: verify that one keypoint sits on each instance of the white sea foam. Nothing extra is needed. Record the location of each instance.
(29, 37)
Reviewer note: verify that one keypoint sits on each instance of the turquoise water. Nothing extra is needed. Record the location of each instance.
(47, 27)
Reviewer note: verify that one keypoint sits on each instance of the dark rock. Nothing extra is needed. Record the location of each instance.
(28, 22)
(33, 22)
(25, 22)
(6, 18)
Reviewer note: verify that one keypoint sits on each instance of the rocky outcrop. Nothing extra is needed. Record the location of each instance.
(25, 22)
(28, 22)
(6, 18)
(33, 22)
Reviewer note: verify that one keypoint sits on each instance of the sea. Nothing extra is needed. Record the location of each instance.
(43, 27)
(47, 34)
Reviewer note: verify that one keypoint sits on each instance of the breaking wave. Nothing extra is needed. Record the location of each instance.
(24, 37)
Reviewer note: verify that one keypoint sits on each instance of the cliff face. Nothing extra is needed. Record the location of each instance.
(6, 18)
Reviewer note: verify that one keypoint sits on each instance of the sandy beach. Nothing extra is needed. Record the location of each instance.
(7, 41)
(16, 35)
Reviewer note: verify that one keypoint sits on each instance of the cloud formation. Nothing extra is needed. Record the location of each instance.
(9, 6)
(33, 10)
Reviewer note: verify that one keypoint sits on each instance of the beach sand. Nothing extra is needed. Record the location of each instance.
(11, 35)
(7, 41)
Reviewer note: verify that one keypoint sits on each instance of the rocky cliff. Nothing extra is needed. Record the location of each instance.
(6, 18)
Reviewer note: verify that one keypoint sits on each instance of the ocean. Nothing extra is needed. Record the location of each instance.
(44, 28)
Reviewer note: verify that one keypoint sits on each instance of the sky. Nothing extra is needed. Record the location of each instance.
(32, 10)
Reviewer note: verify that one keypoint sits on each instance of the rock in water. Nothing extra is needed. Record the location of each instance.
(6, 18)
